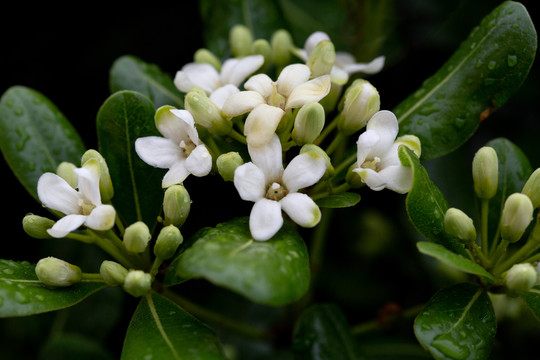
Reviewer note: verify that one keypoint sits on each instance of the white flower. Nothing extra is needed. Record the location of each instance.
(80, 206)
(269, 100)
(345, 64)
(378, 163)
(179, 150)
(273, 189)
(218, 86)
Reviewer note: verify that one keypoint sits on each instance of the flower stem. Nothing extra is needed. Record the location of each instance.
(237, 136)
(335, 143)
(484, 224)
(375, 324)
(326, 131)
(518, 257)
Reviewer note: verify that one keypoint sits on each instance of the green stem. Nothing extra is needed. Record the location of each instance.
(375, 324)
(335, 190)
(88, 239)
(484, 224)
(155, 266)
(326, 131)
(92, 277)
(335, 143)
(318, 241)
(114, 251)
(496, 257)
(237, 136)
(518, 257)
(345, 163)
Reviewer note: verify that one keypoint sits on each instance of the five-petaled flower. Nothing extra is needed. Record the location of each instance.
(267, 101)
(272, 189)
(378, 162)
(80, 206)
(180, 150)
(218, 85)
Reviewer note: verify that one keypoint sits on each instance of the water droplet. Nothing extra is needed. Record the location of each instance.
(511, 60)
(148, 357)
(9, 103)
(450, 347)
(459, 123)
(21, 298)
(473, 45)
(428, 109)
(1, 301)
(479, 63)
(8, 271)
(492, 64)
(39, 297)
(19, 111)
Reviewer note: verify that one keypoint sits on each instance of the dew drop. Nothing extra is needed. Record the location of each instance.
(459, 123)
(8, 271)
(21, 298)
(19, 111)
(511, 60)
(1, 301)
(31, 166)
(491, 65)
(473, 45)
(39, 297)
(9, 103)
(450, 347)
(479, 63)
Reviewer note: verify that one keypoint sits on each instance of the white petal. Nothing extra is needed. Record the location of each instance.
(373, 67)
(89, 185)
(303, 171)
(250, 182)
(158, 152)
(311, 91)
(268, 158)
(260, 83)
(343, 59)
(199, 162)
(55, 193)
(365, 144)
(385, 124)
(261, 124)
(176, 124)
(301, 209)
(182, 81)
(101, 218)
(241, 103)
(291, 77)
(201, 75)
(66, 225)
(339, 76)
(398, 178)
(235, 71)
(314, 39)
(372, 178)
(265, 219)
(220, 95)
(176, 174)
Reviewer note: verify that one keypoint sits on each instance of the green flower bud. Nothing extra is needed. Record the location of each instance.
(520, 279)
(55, 272)
(227, 164)
(105, 183)
(308, 123)
(136, 237)
(137, 283)
(282, 45)
(353, 178)
(206, 113)
(322, 58)
(205, 56)
(532, 188)
(176, 205)
(168, 241)
(36, 226)
(360, 102)
(412, 142)
(240, 38)
(516, 216)
(320, 152)
(485, 171)
(113, 273)
(458, 224)
(65, 171)
(262, 47)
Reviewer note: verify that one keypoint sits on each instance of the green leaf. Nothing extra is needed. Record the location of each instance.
(124, 117)
(273, 272)
(452, 259)
(21, 292)
(532, 299)
(160, 329)
(131, 73)
(322, 332)
(479, 78)
(343, 200)
(426, 204)
(457, 323)
(35, 137)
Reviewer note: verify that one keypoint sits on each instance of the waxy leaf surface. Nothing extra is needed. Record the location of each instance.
(343, 200)
(532, 299)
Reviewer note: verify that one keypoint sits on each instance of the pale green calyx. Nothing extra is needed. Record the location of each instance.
(240, 39)
(458, 224)
(36, 226)
(113, 273)
(168, 241)
(532, 188)
(308, 123)
(206, 113)
(105, 183)
(66, 171)
(176, 205)
(227, 164)
(360, 102)
(55, 272)
(516, 216)
(485, 171)
(520, 279)
(137, 283)
(282, 44)
(136, 237)
(205, 56)
(322, 58)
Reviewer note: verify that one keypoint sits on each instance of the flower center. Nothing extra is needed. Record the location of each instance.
(276, 192)
(371, 164)
(86, 207)
(276, 99)
(187, 148)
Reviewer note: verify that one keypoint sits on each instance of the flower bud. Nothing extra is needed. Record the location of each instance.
(322, 58)
(55, 272)
(516, 216)
(308, 123)
(65, 171)
(113, 273)
(360, 102)
(320, 152)
(36, 226)
(168, 241)
(458, 224)
(205, 56)
(136, 237)
(412, 142)
(520, 279)
(206, 113)
(353, 178)
(227, 164)
(532, 188)
(282, 45)
(485, 171)
(240, 38)
(137, 283)
(105, 183)
(176, 205)
(262, 47)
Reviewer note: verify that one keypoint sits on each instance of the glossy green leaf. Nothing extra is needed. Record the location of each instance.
(532, 299)
(479, 77)
(35, 137)
(21, 292)
(131, 73)
(426, 204)
(160, 329)
(457, 323)
(273, 272)
(322, 333)
(124, 117)
(452, 259)
(343, 200)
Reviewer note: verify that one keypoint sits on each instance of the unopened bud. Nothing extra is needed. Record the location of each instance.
(206, 113)
(168, 241)
(105, 183)
(532, 188)
(485, 171)
(516, 216)
(360, 102)
(262, 47)
(412, 142)
(113, 273)
(458, 224)
(176, 205)
(136, 237)
(308, 123)
(227, 164)
(137, 283)
(240, 39)
(205, 56)
(322, 58)
(36, 226)
(55, 272)
(282, 44)
(320, 152)
(65, 171)
(520, 279)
